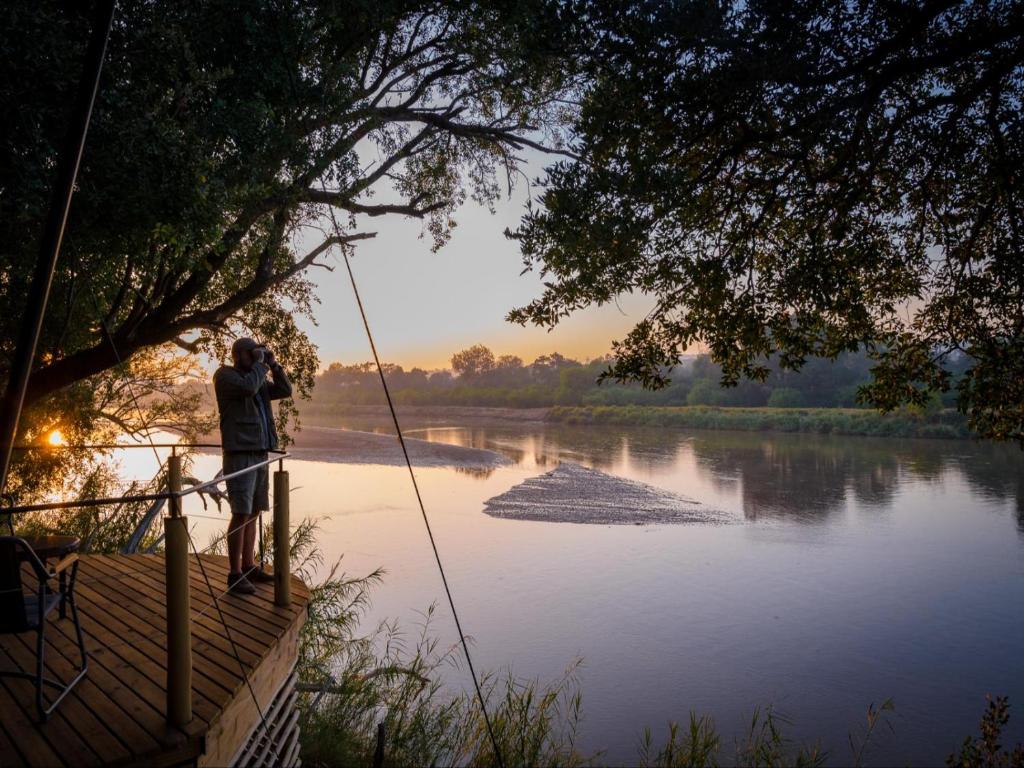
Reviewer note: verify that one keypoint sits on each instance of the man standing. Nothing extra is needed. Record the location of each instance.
(247, 432)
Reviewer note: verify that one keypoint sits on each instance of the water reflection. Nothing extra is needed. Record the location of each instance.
(481, 473)
(803, 478)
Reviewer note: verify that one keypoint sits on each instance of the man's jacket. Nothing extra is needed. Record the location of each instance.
(240, 397)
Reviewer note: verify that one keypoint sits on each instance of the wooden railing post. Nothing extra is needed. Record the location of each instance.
(179, 610)
(282, 541)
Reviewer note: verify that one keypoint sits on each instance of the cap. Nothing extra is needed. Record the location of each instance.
(244, 343)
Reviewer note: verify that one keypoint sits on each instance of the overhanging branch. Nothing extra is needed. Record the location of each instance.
(345, 202)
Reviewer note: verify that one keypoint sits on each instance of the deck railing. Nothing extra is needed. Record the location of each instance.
(176, 554)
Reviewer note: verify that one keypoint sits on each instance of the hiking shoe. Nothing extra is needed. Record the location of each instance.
(259, 576)
(240, 585)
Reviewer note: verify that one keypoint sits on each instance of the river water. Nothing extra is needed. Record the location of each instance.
(851, 570)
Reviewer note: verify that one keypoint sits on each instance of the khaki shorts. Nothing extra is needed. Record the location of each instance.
(248, 494)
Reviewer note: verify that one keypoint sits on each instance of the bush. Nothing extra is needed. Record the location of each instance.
(705, 392)
(785, 397)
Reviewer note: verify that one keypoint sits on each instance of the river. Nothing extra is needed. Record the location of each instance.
(848, 571)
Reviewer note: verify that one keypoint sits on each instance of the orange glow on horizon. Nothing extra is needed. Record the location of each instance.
(438, 357)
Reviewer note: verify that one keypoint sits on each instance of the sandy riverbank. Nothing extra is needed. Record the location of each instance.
(422, 415)
(354, 447)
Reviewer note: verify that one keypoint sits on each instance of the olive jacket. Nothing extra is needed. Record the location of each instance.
(243, 399)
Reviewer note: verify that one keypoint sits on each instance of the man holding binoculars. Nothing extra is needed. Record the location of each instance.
(247, 432)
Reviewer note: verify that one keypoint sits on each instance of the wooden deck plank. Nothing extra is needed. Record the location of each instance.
(257, 612)
(134, 604)
(9, 750)
(114, 702)
(220, 565)
(141, 700)
(60, 734)
(102, 711)
(210, 639)
(250, 613)
(246, 630)
(264, 608)
(116, 714)
(87, 708)
(208, 636)
(139, 696)
(128, 652)
(150, 640)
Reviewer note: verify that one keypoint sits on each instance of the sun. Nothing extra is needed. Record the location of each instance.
(56, 437)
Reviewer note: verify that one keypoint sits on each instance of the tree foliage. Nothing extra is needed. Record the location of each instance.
(235, 145)
(223, 133)
(799, 179)
(554, 379)
(473, 362)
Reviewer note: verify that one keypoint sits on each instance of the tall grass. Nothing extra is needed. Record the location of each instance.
(352, 683)
(987, 749)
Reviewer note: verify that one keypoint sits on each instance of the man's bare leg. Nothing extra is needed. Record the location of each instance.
(248, 555)
(236, 534)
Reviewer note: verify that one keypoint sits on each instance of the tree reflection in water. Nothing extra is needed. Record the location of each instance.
(797, 477)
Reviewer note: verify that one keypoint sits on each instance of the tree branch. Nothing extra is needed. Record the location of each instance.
(344, 201)
(504, 134)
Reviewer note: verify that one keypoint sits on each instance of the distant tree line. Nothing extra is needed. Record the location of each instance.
(478, 377)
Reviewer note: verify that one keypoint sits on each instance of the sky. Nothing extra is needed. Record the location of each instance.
(425, 306)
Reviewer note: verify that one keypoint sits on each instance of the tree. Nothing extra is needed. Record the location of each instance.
(472, 362)
(226, 133)
(545, 368)
(704, 392)
(152, 391)
(508, 363)
(791, 180)
(786, 397)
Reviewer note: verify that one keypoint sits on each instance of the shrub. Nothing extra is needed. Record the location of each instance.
(785, 397)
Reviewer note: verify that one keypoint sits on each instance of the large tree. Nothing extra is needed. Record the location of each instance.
(797, 179)
(473, 362)
(227, 134)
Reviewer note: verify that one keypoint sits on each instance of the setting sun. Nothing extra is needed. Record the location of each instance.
(56, 438)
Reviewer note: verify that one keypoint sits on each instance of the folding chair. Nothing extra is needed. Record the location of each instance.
(21, 612)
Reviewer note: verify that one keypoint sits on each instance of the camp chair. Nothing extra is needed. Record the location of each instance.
(20, 612)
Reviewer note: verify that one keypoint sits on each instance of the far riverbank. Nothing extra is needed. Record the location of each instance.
(944, 424)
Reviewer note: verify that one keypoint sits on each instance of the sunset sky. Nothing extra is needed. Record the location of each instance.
(424, 306)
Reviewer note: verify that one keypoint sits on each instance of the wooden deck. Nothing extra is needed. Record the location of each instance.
(116, 714)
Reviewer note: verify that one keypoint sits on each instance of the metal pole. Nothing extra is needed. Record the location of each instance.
(282, 566)
(53, 235)
(179, 609)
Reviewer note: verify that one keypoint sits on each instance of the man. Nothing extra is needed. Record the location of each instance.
(247, 432)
